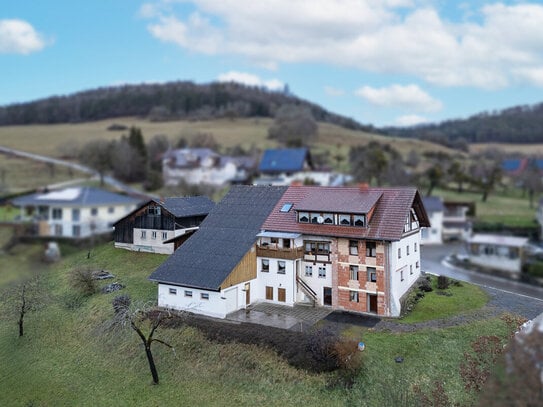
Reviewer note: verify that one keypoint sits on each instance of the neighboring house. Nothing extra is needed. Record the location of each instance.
(347, 248)
(456, 222)
(435, 209)
(214, 271)
(504, 253)
(294, 165)
(161, 226)
(76, 212)
(204, 166)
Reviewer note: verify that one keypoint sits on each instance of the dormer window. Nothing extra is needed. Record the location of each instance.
(328, 218)
(359, 220)
(345, 220)
(315, 218)
(303, 217)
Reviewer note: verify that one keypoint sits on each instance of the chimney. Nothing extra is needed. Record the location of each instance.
(296, 183)
(363, 186)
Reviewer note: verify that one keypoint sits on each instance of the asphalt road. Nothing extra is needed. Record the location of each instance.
(432, 259)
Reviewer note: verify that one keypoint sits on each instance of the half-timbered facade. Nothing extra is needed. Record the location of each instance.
(160, 226)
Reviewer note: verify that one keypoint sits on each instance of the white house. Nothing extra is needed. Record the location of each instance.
(435, 209)
(76, 212)
(504, 253)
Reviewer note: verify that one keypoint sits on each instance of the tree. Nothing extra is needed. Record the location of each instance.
(531, 180)
(157, 146)
(22, 298)
(136, 141)
(457, 174)
(368, 162)
(143, 319)
(434, 174)
(486, 175)
(97, 155)
(293, 124)
(127, 164)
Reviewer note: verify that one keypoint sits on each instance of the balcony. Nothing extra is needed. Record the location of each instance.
(273, 251)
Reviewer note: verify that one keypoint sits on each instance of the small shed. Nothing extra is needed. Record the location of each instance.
(504, 253)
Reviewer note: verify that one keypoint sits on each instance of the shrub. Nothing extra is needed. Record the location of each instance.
(443, 282)
(82, 280)
(425, 285)
(121, 303)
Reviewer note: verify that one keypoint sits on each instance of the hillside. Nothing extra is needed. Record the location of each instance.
(519, 124)
(158, 102)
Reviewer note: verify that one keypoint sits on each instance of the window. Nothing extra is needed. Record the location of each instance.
(353, 273)
(153, 234)
(204, 296)
(353, 296)
(265, 265)
(111, 209)
(417, 264)
(309, 271)
(273, 241)
(143, 234)
(353, 247)
(58, 230)
(94, 211)
(286, 243)
(399, 252)
(164, 235)
(173, 291)
(188, 293)
(371, 249)
(415, 247)
(281, 267)
(286, 207)
(57, 213)
(76, 230)
(407, 249)
(76, 215)
(315, 218)
(401, 275)
(345, 220)
(303, 217)
(410, 269)
(322, 272)
(328, 218)
(317, 247)
(359, 220)
(153, 210)
(372, 274)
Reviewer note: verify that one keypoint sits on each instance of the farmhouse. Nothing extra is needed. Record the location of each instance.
(355, 249)
(76, 212)
(161, 226)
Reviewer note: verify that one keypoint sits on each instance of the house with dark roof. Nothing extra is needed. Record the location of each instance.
(204, 166)
(161, 225)
(354, 249)
(75, 212)
(214, 271)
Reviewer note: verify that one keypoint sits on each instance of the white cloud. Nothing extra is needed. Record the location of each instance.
(410, 120)
(19, 37)
(487, 49)
(250, 80)
(333, 91)
(408, 97)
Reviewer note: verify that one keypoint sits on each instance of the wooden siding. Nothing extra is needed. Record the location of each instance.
(244, 271)
(280, 253)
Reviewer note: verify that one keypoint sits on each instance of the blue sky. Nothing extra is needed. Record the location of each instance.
(381, 62)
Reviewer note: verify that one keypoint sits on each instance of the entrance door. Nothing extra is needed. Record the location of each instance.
(247, 293)
(269, 293)
(372, 303)
(327, 296)
(281, 294)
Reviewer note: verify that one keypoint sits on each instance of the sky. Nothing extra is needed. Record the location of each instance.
(380, 62)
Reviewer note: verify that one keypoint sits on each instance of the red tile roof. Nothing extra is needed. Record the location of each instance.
(392, 206)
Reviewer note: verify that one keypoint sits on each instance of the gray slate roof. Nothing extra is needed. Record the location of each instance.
(75, 196)
(433, 204)
(182, 207)
(225, 236)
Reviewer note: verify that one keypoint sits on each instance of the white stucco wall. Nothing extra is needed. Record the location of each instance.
(316, 283)
(273, 279)
(433, 234)
(403, 271)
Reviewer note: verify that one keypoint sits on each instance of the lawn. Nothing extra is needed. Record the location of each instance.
(67, 357)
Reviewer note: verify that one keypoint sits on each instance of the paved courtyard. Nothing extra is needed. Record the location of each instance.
(297, 318)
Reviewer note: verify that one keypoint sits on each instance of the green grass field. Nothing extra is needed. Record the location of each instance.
(67, 357)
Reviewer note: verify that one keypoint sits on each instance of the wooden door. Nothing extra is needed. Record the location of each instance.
(327, 298)
(269, 293)
(282, 294)
(372, 299)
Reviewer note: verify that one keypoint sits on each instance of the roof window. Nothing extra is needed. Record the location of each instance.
(286, 207)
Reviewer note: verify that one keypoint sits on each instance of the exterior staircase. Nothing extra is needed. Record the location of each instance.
(307, 290)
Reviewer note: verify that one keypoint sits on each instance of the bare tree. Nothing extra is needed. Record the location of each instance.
(293, 125)
(144, 319)
(97, 155)
(22, 298)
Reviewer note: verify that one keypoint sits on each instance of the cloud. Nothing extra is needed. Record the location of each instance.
(408, 97)
(410, 120)
(19, 37)
(250, 80)
(486, 49)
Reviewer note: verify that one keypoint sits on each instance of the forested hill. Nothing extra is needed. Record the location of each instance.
(520, 124)
(168, 101)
